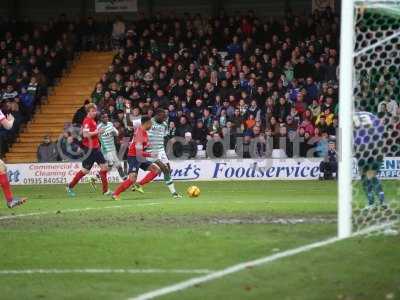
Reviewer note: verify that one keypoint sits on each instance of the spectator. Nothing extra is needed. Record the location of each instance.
(187, 148)
(279, 88)
(47, 151)
(183, 127)
(80, 114)
(27, 102)
(200, 134)
(70, 148)
(118, 32)
(282, 110)
(388, 106)
(328, 167)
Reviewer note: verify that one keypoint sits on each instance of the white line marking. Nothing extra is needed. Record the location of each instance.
(75, 210)
(152, 204)
(106, 271)
(239, 267)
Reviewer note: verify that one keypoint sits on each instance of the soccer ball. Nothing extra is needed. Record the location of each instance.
(193, 191)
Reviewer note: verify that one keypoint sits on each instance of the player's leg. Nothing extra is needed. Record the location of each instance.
(133, 169)
(368, 187)
(169, 181)
(163, 163)
(148, 177)
(153, 171)
(118, 165)
(377, 185)
(101, 161)
(112, 161)
(87, 165)
(5, 186)
(334, 168)
(322, 170)
(376, 182)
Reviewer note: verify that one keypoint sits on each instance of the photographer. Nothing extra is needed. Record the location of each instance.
(328, 167)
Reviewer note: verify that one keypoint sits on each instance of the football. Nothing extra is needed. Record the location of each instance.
(193, 191)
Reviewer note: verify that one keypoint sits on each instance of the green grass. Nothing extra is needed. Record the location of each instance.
(230, 222)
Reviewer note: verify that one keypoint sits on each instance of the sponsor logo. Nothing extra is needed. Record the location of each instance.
(299, 170)
(13, 175)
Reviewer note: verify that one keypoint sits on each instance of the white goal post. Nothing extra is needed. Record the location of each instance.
(368, 80)
(345, 118)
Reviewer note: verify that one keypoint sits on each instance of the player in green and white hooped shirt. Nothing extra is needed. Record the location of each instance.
(157, 134)
(108, 146)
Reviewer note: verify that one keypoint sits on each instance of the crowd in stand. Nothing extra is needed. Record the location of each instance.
(250, 79)
(260, 83)
(31, 57)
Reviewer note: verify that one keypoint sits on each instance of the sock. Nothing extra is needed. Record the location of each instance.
(149, 177)
(170, 184)
(121, 173)
(370, 194)
(368, 188)
(5, 185)
(123, 186)
(377, 184)
(76, 179)
(104, 180)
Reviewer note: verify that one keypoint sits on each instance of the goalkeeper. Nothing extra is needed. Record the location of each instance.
(368, 136)
(157, 134)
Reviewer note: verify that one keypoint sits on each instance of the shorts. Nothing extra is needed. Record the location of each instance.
(135, 164)
(161, 156)
(92, 156)
(3, 167)
(112, 158)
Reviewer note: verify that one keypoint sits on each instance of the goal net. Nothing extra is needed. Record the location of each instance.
(376, 126)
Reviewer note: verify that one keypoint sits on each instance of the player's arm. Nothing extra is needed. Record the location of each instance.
(87, 133)
(7, 122)
(141, 145)
(115, 131)
(141, 151)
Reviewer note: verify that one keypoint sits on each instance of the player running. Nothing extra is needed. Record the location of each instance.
(108, 132)
(91, 147)
(368, 136)
(157, 134)
(137, 157)
(7, 123)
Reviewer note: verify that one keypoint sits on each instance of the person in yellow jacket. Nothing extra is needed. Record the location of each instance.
(327, 113)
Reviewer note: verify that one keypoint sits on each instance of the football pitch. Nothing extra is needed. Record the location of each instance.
(91, 247)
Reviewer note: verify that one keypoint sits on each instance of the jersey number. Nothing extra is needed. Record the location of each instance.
(362, 120)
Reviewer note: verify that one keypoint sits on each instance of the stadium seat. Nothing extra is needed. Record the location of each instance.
(62, 102)
(201, 154)
(231, 154)
(278, 153)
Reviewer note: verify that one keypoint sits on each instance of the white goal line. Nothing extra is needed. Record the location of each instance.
(75, 210)
(105, 271)
(239, 267)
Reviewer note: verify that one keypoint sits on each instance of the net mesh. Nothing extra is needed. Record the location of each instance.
(376, 117)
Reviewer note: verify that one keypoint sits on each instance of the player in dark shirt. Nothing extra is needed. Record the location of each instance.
(328, 167)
